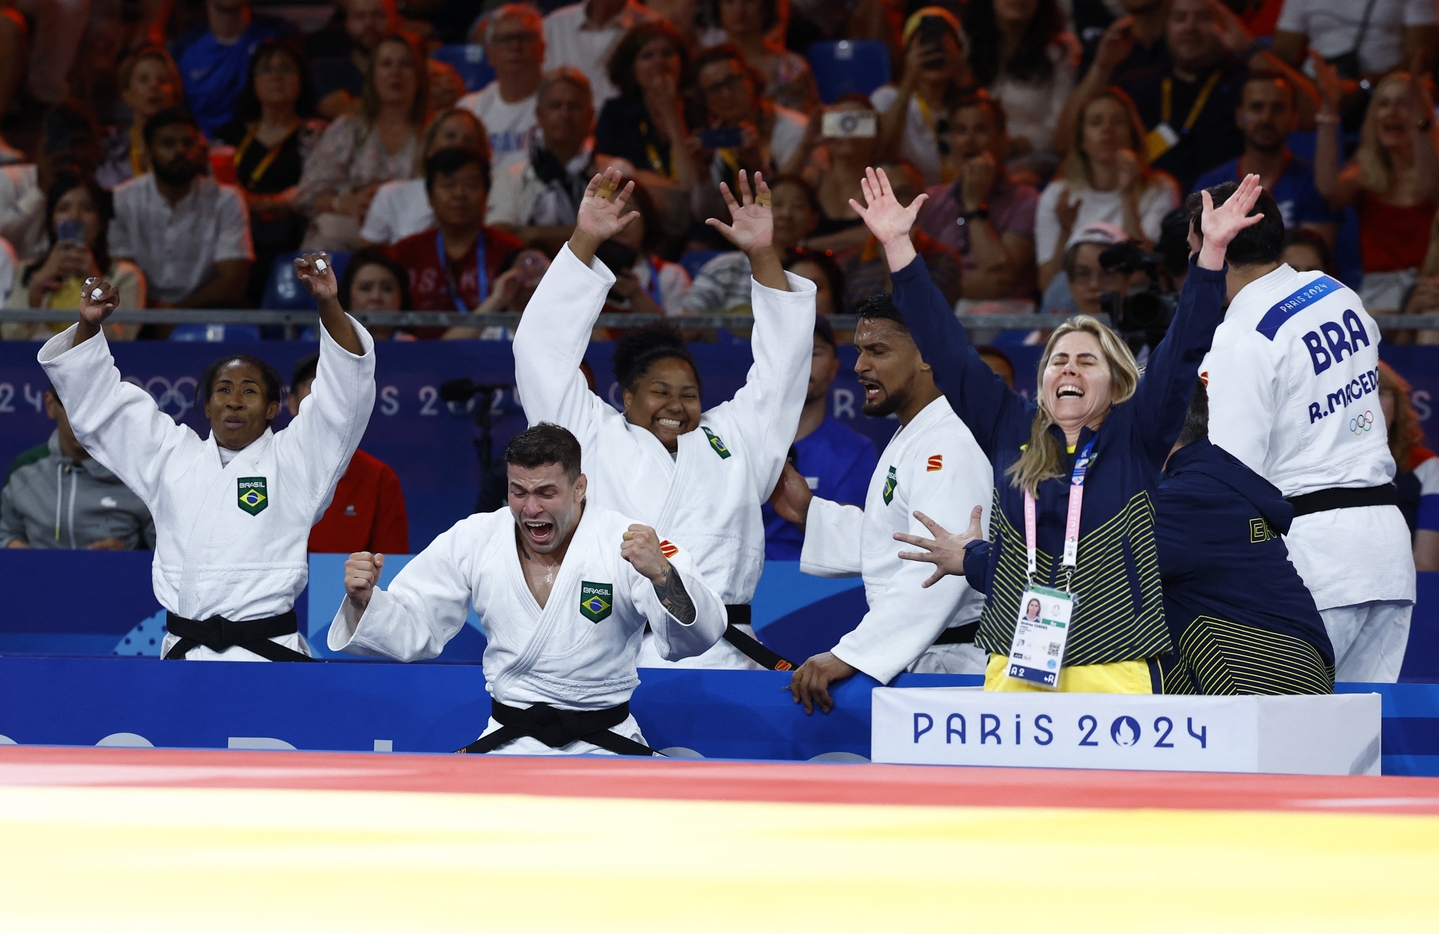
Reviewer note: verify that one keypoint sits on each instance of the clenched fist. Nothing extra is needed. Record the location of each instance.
(98, 299)
(641, 548)
(362, 575)
(317, 272)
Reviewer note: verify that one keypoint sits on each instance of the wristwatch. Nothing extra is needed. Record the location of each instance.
(980, 213)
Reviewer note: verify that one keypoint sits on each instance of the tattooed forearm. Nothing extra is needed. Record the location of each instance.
(675, 598)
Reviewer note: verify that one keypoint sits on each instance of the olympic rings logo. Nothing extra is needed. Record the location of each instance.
(1361, 423)
(174, 399)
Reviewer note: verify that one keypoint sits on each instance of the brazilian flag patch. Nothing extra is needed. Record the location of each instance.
(716, 443)
(253, 498)
(890, 484)
(596, 600)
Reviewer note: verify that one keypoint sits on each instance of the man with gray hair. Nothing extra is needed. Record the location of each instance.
(514, 41)
(537, 200)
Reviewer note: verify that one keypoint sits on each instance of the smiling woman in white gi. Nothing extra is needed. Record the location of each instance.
(232, 511)
(700, 477)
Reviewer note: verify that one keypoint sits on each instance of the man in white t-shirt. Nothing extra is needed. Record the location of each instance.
(583, 36)
(514, 41)
(1397, 33)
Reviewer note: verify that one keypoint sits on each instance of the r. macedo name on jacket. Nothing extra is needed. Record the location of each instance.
(1353, 391)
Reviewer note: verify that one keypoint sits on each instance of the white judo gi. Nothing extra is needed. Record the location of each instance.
(1294, 393)
(706, 498)
(230, 539)
(932, 465)
(567, 654)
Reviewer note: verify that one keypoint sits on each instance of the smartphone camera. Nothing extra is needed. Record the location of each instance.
(71, 231)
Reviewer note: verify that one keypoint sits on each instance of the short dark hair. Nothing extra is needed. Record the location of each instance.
(727, 52)
(621, 68)
(269, 376)
(1173, 242)
(374, 256)
(825, 331)
(983, 99)
(825, 260)
(451, 159)
(305, 370)
(1196, 419)
(247, 105)
(1253, 246)
(542, 444)
(642, 348)
(881, 307)
(1303, 236)
(1288, 86)
(170, 116)
(771, 14)
(810, 194)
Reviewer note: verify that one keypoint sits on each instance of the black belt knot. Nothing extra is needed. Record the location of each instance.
(218, 634)
(557, 728)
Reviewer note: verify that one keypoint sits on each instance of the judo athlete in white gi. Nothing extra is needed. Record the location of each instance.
(929, 475)
(563, 590)
(1293, 378)
(701, 477)
(232, 511)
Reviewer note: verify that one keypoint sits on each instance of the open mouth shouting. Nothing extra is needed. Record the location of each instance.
(540, 532)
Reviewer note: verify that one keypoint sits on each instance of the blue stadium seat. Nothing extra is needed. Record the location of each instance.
(695, 259)
(283, 292)
(848, 67)
(215, 333)
(469, 61)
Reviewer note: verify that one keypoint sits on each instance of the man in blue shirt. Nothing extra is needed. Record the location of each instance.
(836, 460)
(1268, 112)
(214, 60)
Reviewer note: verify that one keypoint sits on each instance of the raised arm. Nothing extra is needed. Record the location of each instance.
(1339, 188)
(976, 393)
(686, 616)
(427, 603)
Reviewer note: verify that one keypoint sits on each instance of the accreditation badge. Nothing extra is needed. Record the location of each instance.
(1159, 140)
(1037, 653)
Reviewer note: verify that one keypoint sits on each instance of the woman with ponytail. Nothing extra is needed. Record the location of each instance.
(1098, 429)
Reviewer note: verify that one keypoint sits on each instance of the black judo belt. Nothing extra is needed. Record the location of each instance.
(739, 615)
(958, 635)
(1344, 498)
(556, 728)
(219, 634)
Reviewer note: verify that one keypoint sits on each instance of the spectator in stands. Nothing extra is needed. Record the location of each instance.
(1021, 52)
(149, 82)
(819, 267)
(644, 282)
(645, 125)
(1105, 177)
(865, 271)
(14, 51)
(1087, 277)
(748, 24)
(190, 234)
(214, 58)
(537, 200)
(912, 124)
(835, 460)
(1392, 181)
(400, 209)
(340, 79)
(984, 215)
(69, 141)
(1130, 49)
(585, 34)
(1268, 112)
(1424, 299)
(519, 274)
(1417, 474)
(452, 267)
(57, 496)
(1307, 251)
(38, 42)
(7, 269)
(273, 132)
(998, 361)
(360, 152)
(1363, 40)
(834, 164)
(514, 41)
(367, 512)
(447, 87)
(723, 284)
(77, 215)
(374, 281)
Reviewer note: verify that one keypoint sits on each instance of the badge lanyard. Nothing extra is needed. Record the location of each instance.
(653, 287)
(946, 171)
(1166, 106)
(269, 158)
(479, 266)
(1070, 559)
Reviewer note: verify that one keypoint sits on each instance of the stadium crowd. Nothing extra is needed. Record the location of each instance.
(676, 158)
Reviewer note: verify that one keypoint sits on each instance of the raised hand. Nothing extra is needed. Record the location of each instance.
(641, 548)
(98, 299)
(1222, 224)
(885, 217)
(1326, 76)
(362, 576)
(600, 218)
(946, 550)
(751, 225)
(317, 272)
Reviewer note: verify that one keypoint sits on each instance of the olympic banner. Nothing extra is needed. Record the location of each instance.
(1312, 735)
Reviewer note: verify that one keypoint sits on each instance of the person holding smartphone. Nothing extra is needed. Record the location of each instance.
(77, 217)
(912, 124)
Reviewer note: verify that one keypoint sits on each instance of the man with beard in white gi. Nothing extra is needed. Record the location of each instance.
(563, 590)
(701, 477)
(232, 511)
(927, 477)
(1293, 382)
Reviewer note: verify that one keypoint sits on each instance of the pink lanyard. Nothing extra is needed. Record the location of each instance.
(1071, 527)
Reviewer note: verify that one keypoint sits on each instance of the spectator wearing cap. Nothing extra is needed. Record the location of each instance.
(149, 82)
(584, 35)
(983, 215)
(749, 25)
(339, 73)
(835, 460)
(214, 58)
(913, 124)
(189, 233)
(1085, 278)
(401, 209)
(514, 41)
(69, 142)
(367, 512)
(866, 272)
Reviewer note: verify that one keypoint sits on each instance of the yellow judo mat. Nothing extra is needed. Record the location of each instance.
(115, 853)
